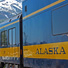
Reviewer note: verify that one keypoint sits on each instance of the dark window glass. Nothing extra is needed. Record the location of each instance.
(10, 37)
(60, 20)
(25, 8)
(4, 38)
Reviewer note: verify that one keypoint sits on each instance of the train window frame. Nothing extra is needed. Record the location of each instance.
(15, 35)
(52, 21)
(12, 36)
(4, 38)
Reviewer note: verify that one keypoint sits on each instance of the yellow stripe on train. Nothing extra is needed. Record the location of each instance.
(42, 51)
(10, 52)
(9, 24)
(44, 8)
(47, 51)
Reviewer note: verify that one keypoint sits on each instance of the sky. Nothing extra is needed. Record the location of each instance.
(10, 8)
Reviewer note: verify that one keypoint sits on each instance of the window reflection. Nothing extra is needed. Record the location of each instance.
(12, 39)
(14, 36)
(4, 38)
(60, 20)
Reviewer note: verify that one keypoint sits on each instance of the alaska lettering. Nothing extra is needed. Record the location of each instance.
(50, 51)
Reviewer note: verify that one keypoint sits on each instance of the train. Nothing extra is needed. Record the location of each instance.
(37, 38)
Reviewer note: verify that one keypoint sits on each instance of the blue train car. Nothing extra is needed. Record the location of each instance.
(10, 41)
(45, 33)
(40, 40)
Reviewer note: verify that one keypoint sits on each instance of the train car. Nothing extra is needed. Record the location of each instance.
(39, 39)
(45, 33)
(10, 41)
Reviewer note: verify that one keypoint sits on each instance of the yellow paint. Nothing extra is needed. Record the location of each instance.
(10, 52)
(44, 8)
(9, 24)
(30, 51)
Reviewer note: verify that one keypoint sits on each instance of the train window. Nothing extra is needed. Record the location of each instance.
(4, 38)
(60, 20)
(12, 38)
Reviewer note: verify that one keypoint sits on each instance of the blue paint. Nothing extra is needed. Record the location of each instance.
(38, 29)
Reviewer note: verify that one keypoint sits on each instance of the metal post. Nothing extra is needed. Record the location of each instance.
(21, 44)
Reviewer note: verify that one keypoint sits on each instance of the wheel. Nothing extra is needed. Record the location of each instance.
(6, 66)
(2, 65)
(11, 66)
(16, 66)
